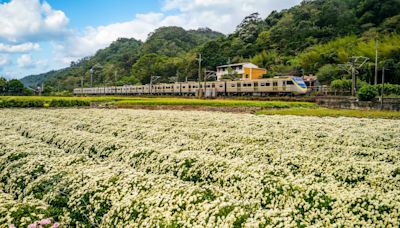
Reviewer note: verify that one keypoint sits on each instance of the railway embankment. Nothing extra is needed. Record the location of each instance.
(389, 104)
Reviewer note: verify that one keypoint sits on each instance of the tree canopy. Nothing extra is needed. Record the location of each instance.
(312, 38)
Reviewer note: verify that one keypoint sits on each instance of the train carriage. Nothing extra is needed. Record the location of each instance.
(260, 87)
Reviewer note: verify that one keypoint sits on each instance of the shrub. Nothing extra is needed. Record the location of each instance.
(367, 93)
(341, 84)
(388, 89)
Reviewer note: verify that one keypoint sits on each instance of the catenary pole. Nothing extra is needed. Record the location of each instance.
(200, 60)
(376, 62)
(383, 84)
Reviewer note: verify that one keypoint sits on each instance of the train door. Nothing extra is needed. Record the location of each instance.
(239, 87)
(275, 86)
(284, 85)
(255, 87)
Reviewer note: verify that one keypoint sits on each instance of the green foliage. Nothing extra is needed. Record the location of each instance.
(323, 112)
(3, 86)
(341, 84)
(388, 89)
(149, 65)
(313, 37)
(119, 59)
(328, 73)
(367, 93)
(13, 87)
(266, 59)
(40, 102)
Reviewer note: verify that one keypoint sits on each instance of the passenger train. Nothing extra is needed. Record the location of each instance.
(287, 85)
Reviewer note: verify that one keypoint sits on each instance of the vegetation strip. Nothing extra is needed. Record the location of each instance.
(24, 102)
(325, 112)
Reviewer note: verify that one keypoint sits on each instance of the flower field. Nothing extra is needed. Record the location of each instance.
(130, 168)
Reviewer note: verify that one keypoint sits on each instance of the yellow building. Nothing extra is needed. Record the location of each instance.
(246, 71)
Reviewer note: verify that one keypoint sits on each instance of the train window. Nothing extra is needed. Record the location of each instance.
(233, 85)
(290, 82)
(208, 86)
(255, 84)
(221, 86)
(275, 83)
(213, 85)
(267, 84)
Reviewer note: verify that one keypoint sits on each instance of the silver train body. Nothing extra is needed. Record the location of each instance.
(278, 85)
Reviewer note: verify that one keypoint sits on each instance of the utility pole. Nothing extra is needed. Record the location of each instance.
(152, 80)
(383, 84)
(200, 60)
(376, 62)
(353, 80)
(207, 75)
(91, 77)
(351, 67)
(81, 85)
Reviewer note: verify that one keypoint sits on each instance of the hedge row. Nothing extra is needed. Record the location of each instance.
(388, 89)
(40, 103)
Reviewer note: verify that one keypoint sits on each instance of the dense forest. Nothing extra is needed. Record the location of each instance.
(311, 38)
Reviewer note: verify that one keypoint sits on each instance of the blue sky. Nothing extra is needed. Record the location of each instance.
(37, 36)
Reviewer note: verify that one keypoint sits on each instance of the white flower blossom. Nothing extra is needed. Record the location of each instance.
(140, 168)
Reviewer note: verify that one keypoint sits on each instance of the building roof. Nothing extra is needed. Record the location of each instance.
(308, 78)
(251, 65)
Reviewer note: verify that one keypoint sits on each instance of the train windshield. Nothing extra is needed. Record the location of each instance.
(299, 81)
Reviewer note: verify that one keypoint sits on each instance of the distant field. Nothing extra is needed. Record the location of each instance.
(214, 103)
(23, 102)
(324, 112)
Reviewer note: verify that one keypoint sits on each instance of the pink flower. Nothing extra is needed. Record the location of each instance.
(45, 222)
(11, 226)
(33, 225)
(55, 225)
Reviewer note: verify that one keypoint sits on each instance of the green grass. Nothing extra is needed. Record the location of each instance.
(213, 103)
(325, 112)
(35, 101)
(26, 102)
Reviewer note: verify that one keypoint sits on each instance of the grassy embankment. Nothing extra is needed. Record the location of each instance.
(325, 112)
(25, 102)
(269, 107)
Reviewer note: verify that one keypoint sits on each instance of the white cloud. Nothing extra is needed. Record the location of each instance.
(93, 39)
(29, 20)
(4, 60)
(219, 15)
(25, 61)
(25, 23)
(20, 48)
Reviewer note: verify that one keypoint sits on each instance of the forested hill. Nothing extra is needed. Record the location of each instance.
(167, 46)
(310, 38)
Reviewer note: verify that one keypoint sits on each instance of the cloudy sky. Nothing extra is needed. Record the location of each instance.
(37, 36)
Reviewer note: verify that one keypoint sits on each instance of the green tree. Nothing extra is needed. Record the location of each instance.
(328, 73)
(3, 86)
(250, 27)
(15, 87)
(367, 93)
(149, 65)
